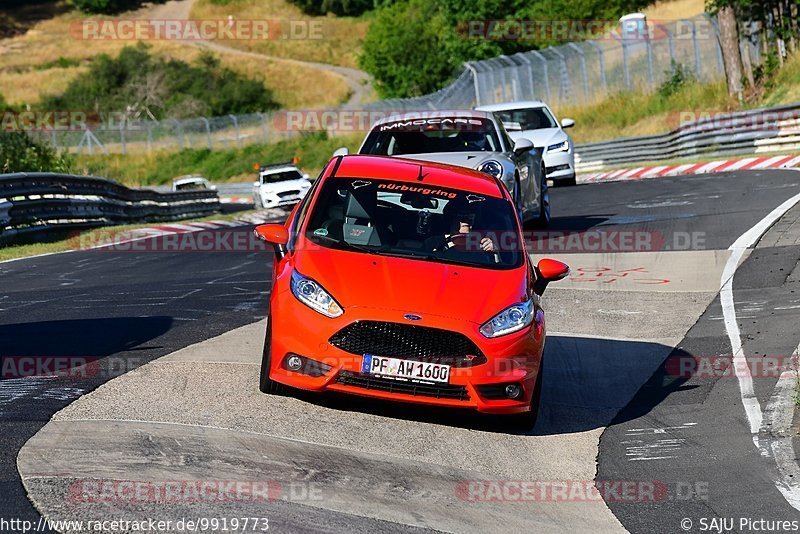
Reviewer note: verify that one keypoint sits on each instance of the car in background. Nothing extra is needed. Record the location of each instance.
(279, 184)
(471, 139)
(379, 290)
(535, 120)
(192, 183)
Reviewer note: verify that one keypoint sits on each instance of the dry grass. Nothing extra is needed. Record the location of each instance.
(674, 10)
(340, 36)
(21, 83)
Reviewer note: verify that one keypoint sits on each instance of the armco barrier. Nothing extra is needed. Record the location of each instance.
(39, 202)
(745, 132)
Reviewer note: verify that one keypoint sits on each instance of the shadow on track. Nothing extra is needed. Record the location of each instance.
(587, 382)
(73, 342)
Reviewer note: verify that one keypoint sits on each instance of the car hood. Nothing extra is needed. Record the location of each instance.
(542, 137)
(469, 160)
(413, 286)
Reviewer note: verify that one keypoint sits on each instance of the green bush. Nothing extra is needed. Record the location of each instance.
(168, 88)
(337, 7)
(108, 6)
(678, 76)
(415, 46)
(20, 153)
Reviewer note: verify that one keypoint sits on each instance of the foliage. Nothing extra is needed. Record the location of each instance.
(337, 7)
(20, 153)
(166, 88)
(415, 46)
(678, 76)
(313, 151)
(108, 6)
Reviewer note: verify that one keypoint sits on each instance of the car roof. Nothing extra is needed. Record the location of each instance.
(434, 115)
(187, 179)
(512, 105)
(408, 170)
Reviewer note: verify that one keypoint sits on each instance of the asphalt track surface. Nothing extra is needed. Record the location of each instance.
(612, 326)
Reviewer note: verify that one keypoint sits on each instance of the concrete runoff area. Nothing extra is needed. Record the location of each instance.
(205, 398)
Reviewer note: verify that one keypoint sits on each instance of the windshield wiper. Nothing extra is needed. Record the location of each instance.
(429, 257)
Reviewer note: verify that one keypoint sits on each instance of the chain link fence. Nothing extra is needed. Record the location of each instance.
(570, 75)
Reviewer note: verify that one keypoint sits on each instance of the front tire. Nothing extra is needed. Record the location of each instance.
(265, 383)
(544, 203)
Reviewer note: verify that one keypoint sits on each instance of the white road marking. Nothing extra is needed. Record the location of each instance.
(776, 440)
(751, 405)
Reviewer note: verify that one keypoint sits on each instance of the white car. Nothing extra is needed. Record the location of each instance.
(192, 183)
(535, 120)
(280, 184)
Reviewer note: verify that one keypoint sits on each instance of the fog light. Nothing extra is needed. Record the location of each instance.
(513, 391)
(294, 363)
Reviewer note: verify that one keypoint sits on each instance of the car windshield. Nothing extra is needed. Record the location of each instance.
(281, 176)
(415, 221)
(528, 118)
(425, 136)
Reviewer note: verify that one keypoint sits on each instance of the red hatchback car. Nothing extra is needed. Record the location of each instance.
(407, 281)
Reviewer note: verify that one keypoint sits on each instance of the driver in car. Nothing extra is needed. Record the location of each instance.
(462, 222)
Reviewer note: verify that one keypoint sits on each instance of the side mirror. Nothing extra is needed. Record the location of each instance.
(275, 234)
(343, 151)
(256, 184)
(523, 145)
(549, 271)
(567, 123)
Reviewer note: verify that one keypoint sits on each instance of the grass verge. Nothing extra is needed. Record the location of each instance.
(69, 242)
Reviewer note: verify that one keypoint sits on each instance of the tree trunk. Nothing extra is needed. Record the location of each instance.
(729, 43)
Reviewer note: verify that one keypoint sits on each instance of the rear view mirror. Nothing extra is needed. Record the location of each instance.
(548, 271)
(276, 235)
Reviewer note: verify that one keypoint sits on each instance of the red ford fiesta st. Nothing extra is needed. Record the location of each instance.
(407, 281)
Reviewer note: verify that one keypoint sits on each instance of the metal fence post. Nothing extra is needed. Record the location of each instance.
(208, 131)
(263, 126)
(649, 47)
(236, 129)
(181, 138)
(122, 137)
(544, 71)
(583, 70)
(602, 63)
(670, 44)
(529, 68)
(697, 68)
(476, 85)
(626, 67)
(149, 136)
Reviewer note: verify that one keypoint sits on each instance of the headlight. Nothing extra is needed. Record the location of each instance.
(563, 146)
(314, 296)
(492, 168)
(512, 319)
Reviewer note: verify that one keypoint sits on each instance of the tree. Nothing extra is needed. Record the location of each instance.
(729, 44)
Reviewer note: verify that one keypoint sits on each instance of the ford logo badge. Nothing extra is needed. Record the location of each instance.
(412, 317)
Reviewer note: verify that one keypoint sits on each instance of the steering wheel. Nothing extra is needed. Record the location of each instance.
(459, 242)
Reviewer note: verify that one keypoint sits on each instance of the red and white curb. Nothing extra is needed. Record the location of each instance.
(236, 200)
(261, 217)
(725, 165)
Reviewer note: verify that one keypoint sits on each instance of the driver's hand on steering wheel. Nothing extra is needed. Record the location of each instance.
(487, 245)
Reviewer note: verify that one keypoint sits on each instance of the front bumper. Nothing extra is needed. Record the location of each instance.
(514, 358)
(560, 165)
(275, 199)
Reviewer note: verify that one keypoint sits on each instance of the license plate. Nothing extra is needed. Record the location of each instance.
(396, 368)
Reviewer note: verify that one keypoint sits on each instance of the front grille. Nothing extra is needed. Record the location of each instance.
(411, 342)
(288, 194)
(440, 391)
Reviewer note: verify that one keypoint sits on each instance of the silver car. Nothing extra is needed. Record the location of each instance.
(472, 139)
(535, 120)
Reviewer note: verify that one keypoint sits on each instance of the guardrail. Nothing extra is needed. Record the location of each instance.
(38, 202)
(754, 131)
